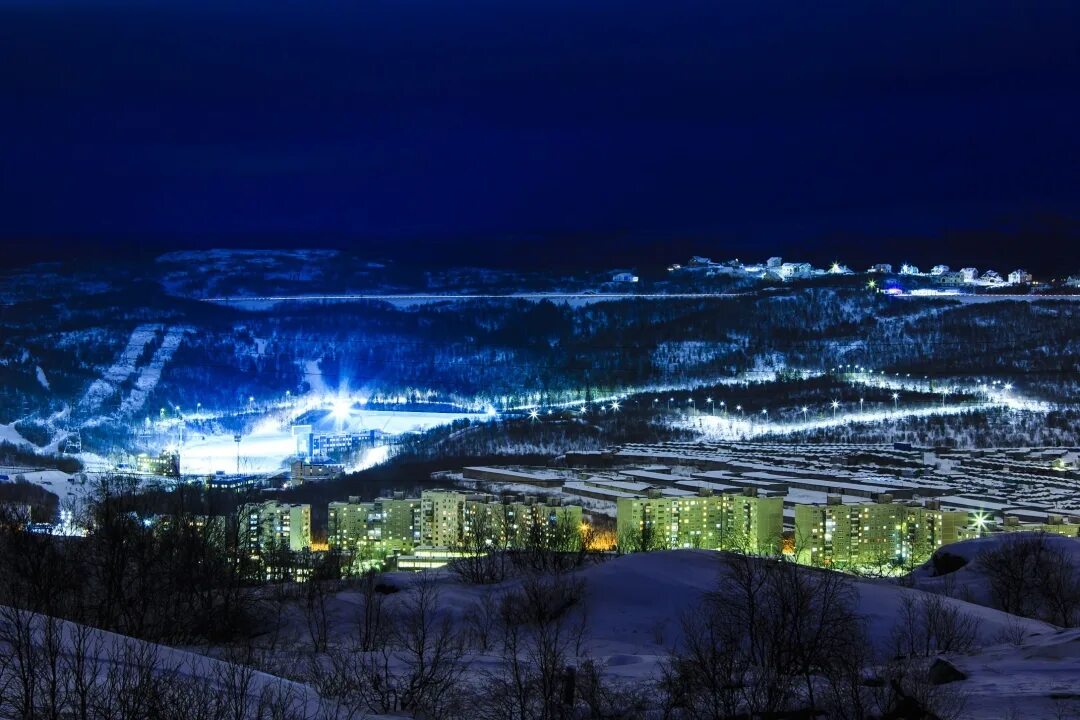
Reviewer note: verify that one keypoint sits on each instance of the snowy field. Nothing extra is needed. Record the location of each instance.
(266, 449)
(731, 427)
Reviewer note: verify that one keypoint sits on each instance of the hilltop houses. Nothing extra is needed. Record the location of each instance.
(774, 268)
(1019, 277)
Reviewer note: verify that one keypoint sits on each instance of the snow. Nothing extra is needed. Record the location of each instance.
(634, 604)
(8, 433)
(150, 375)
(267, 448)
(105, 387)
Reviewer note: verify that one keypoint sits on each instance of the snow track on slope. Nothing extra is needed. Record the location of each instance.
(105, 387)
(150, 375)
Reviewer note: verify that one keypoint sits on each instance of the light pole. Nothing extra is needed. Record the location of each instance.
(944, 392)
(723, 407)
(835, 406)
(804, 411)
(860, 405)
(712, 410)
(896, 401)
(739, 408)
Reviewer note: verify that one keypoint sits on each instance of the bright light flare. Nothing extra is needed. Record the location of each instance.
(341, 409)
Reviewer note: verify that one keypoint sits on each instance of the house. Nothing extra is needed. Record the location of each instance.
(774, 263)
(969, 274)
(838, 269)
(624, 277)
(883, 268)
(793, 271)
(906, 269)
(939, 269)
(950, 278)
(699, 260)
(1020, 277)
(992, 277)
(1073, 281)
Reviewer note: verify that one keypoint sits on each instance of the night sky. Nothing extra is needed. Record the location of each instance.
(524, 131)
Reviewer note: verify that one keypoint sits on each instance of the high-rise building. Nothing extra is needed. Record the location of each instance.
(525, 523)
(874, 534)
(742, 522)
(272, 523)
(384, 526)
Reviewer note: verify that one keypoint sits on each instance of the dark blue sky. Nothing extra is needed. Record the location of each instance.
(918, 129)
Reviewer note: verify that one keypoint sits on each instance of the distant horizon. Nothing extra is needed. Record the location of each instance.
(1040, 249)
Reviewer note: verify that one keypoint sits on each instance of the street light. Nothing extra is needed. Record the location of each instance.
(711, 408)
(896, 401)
(533, 414)
(860, 405)
(804, 411)
(835, 405)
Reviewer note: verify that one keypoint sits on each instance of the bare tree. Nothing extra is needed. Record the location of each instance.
(767, 641)
(929, 625)
(1032, 577)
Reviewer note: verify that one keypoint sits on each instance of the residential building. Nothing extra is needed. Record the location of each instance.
(883, 268)
(876, 534)
(969, 274)
(232, 483)
(950, 278)
(939, 269)
(624, 277)
(303, 471)
(385, 526)
(1019, 277)
(167, 464)
(906, 269)
(992, 277)
(510, 523)
(1055, 525)
(793, 271)
(271, 523)
(730, 521)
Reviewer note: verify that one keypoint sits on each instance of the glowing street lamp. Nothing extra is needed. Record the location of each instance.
(533, 414)
(860, 405)
(739, 408)
(711, 408)
(981, 519)
(615, 406)
(896, 401)
(835, 407)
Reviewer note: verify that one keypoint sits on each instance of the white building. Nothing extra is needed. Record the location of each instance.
(793, 271)
(774, 263)
(969, 274)
(883, 268)
(906, 269)
(1019, 277)
(939, 270)
(624, 277)
(992, 278)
